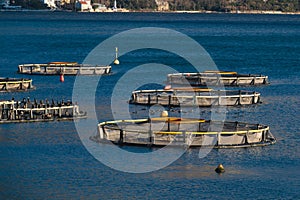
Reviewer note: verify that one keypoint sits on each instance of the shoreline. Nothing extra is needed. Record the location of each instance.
(242, 12)
(257, 12)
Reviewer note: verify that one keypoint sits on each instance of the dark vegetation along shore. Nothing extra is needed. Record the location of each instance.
(215, 5)
(182, 5)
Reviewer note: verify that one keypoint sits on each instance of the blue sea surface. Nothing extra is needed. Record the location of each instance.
(48, 160)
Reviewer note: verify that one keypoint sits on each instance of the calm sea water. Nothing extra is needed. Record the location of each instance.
(48, 160)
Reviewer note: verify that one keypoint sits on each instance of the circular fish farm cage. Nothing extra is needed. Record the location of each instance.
(164, 131)
(217, 78)
(194, 97)
(15, 84)
(37, 111)
(65, 68)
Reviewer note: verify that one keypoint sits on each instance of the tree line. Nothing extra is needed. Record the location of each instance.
(190, 5)
(215, 5)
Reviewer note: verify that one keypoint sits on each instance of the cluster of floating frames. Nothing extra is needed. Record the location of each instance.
(194, 97)
(190, 132)
(217, 78)
(15, 84)
(66, 68)
(27, 111)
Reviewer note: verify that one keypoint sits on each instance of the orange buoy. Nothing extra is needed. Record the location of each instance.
(62, 78)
